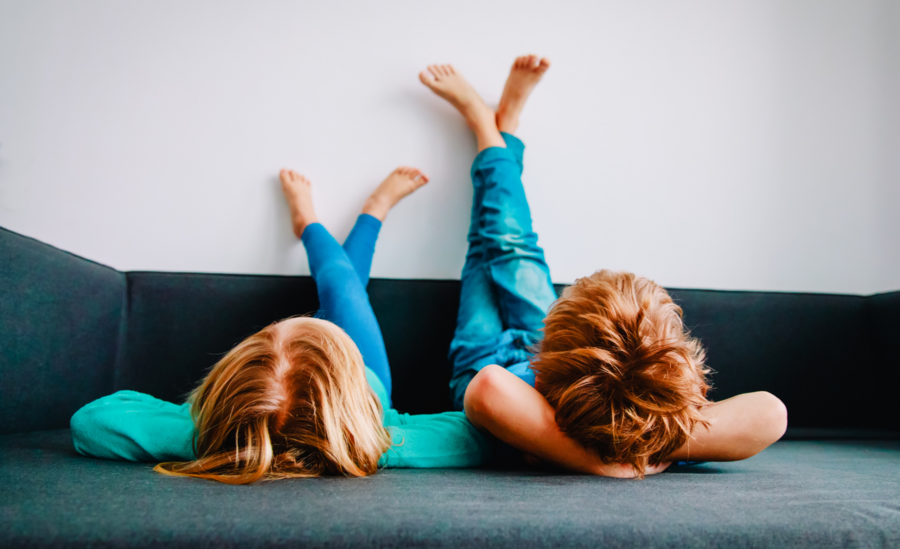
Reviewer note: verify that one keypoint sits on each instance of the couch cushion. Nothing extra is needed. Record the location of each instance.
(827, 356)
(798, 494)
(797, 346)
(884, 325)
(60, 320)
(180, 324)
(811, 350)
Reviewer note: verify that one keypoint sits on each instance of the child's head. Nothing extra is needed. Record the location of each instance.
(619, 368)
(291, 400)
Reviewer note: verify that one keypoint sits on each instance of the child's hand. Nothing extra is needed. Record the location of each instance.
(623, 470)
(654, 469)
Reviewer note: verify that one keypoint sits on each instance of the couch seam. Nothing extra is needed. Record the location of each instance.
(121, 343)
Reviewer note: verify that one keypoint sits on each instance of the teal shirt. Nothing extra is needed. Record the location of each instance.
(136, 427)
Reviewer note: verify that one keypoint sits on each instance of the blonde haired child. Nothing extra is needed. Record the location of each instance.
(302, 397)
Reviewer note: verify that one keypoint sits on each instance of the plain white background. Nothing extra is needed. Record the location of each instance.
(733, 145)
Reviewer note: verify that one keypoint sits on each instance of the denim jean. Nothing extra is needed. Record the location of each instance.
(506, 287)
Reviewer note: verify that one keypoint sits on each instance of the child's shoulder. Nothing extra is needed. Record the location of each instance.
(378, 387)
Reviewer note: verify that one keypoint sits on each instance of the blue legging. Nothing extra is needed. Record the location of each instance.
(341, 275)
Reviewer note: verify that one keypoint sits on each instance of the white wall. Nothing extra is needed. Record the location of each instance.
(736, 145)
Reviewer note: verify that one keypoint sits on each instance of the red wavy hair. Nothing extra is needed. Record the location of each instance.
(617, 364)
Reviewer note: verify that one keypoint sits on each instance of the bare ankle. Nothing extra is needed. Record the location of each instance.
(506, 122)
(396, 186)
(301, 225)
(377, 206)
(489, 141)
(483, 123)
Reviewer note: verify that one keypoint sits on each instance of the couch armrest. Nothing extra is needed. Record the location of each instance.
(61, 321)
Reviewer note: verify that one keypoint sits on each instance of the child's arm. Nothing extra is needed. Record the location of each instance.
(428, 441)
(136, 427)
(739, 427)
(513, 411)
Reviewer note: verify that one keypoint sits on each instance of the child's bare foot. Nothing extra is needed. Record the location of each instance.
(449, 84)
(525, 74)
(399, 184)
(298, 192)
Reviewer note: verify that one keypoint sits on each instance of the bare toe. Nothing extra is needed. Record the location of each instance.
(526, 73)
(400, 183)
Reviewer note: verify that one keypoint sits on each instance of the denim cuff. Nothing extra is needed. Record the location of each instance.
(514, 144)
(493, 155)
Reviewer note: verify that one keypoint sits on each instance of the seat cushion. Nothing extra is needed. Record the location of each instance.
(797, 493)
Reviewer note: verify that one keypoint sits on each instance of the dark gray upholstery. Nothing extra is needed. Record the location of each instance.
(181, 324)
(883, 320)
(796, 494)
(61, 320)
(72, 330)
(812, 350)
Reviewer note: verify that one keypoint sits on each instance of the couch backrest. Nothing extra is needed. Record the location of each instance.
(72, 330)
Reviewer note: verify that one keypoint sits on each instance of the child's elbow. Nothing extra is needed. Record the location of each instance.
(481, 393)
(769, 424)
(774, 416)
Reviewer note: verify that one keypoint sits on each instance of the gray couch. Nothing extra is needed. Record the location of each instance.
(72, 330)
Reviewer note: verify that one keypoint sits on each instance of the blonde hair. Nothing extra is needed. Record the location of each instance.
(291, 400)
(620, 369)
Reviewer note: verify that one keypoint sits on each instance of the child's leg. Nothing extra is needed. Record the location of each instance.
(482, 336)
(479, 327)
(342, 295)
(507, 267)
(517, 264)
(512, 256)
(360, 243)
(343, 300)
(506, 288)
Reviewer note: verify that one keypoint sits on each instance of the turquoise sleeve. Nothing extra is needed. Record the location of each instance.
(431, 441)
(135, 427)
